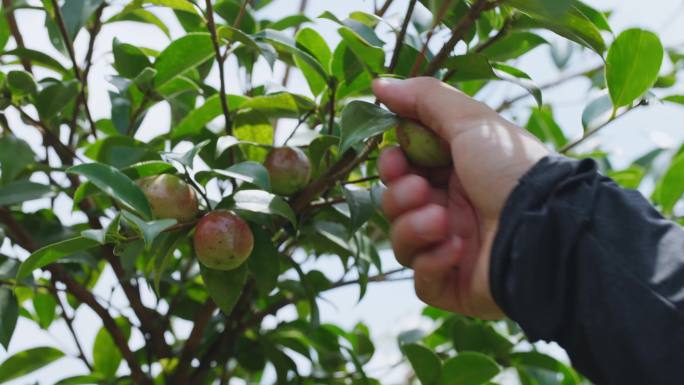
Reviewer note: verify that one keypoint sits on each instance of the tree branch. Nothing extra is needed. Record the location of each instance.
(436, 21)
(219, 58)
(192, 343)
(70, 325)
(457, 33)
(381, 12)
(14, 30)
(401, 36)
(77, 72)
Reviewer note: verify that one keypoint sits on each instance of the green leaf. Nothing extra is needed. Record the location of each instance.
(235, 35)
(15, 155)
(469, 368)
(632, 66)
(259, 201)
(224, 287)
(425, 363)
(148, 168)
(140, 16)
(549, 364)
(106, 356)
(23, 191)
(372, 57)
(37, 58)
(597, 17)
(27, 361)
(544, 126)
(281, 104)
(76, 13)
(129, 60)
(670, 188)
(628, 178)
(148, 230)
(179, 5)
(51, 253)
(361, 120)
(597, 113)
(182, 55)
(117, 185)
(284, 43)
(264, 262)
(313, 43)
(250, 172)
(513, 45)
(289, 22)
(678, 99)
(21, 83)
(187, 158)
(199, 117)
(82, 380)
(4, 31)
(571, 23)
(361, 207)
(9, 312)
(516, 76)
(45, 305)
(53, 98)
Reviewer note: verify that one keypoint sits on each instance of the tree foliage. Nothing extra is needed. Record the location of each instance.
(94, 164)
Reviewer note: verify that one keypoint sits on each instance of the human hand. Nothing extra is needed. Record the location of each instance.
(444, 221)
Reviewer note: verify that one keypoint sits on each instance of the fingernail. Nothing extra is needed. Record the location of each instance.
(386, 82)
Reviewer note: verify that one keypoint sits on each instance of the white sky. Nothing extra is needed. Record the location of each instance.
(388, 308)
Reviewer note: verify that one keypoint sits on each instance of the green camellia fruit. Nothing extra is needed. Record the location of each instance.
(222, 240)
(170, 197)
(422, 146)
(289, 168)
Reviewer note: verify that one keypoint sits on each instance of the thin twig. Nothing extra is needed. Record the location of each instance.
(457, 33)
(565, 149)
(70, 325)
(299, 123)
(381, 12)
(8, 9)
(362, 180)
(77, 72)
(561, 80)
(219, 58)
(401, 36)
(441, 13)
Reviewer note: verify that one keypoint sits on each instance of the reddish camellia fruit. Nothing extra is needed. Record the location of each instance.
(170, 197)
(422, 146)
(290, 170)
(223, 240)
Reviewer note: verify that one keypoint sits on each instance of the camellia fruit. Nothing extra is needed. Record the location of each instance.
(170, 197)
(289, 168)
(222, 240)
(422, 146)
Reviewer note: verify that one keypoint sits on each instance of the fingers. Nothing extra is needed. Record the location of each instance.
(435, 104)
(393, 165)
(436, 270)
(417, 230)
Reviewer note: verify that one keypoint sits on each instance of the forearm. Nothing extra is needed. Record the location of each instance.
(580, 261)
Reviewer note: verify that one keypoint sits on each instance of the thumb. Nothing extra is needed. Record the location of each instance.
(433, 103)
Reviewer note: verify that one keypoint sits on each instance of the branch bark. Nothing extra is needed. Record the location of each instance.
(457, 33)
(14, 30)
(219, 58)
(401, 36)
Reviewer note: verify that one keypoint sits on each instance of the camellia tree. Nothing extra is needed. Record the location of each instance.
(212, 231)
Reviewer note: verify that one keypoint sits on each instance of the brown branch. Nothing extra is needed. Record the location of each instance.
(219, 58)
(70, 325)
(457, 33)
(505, 28)
(557, 82)
(381, 12)
(23, 239)
(565, 149)
(401, 36)
(72, 55)
(14, 30)
(441, 12)
(286, 76)
(192, 343)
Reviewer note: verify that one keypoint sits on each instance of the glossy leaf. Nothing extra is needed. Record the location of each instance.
(76, 13)
(129, 60)
(106, 356)
(149, 230)
(361, 120)
(250, 172)
(469, 368)
(15, 156)
(36, 57)
(52, 253)
(23, 191)
(426, 364)
(45, 306)
(27, 361)
(513, 45)
(53, 98)
(259, 201)
(264, 262)
(632, 65)
(115, 184)
(224, 287)
(182, 55)
(670, 188)
(9, 313)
